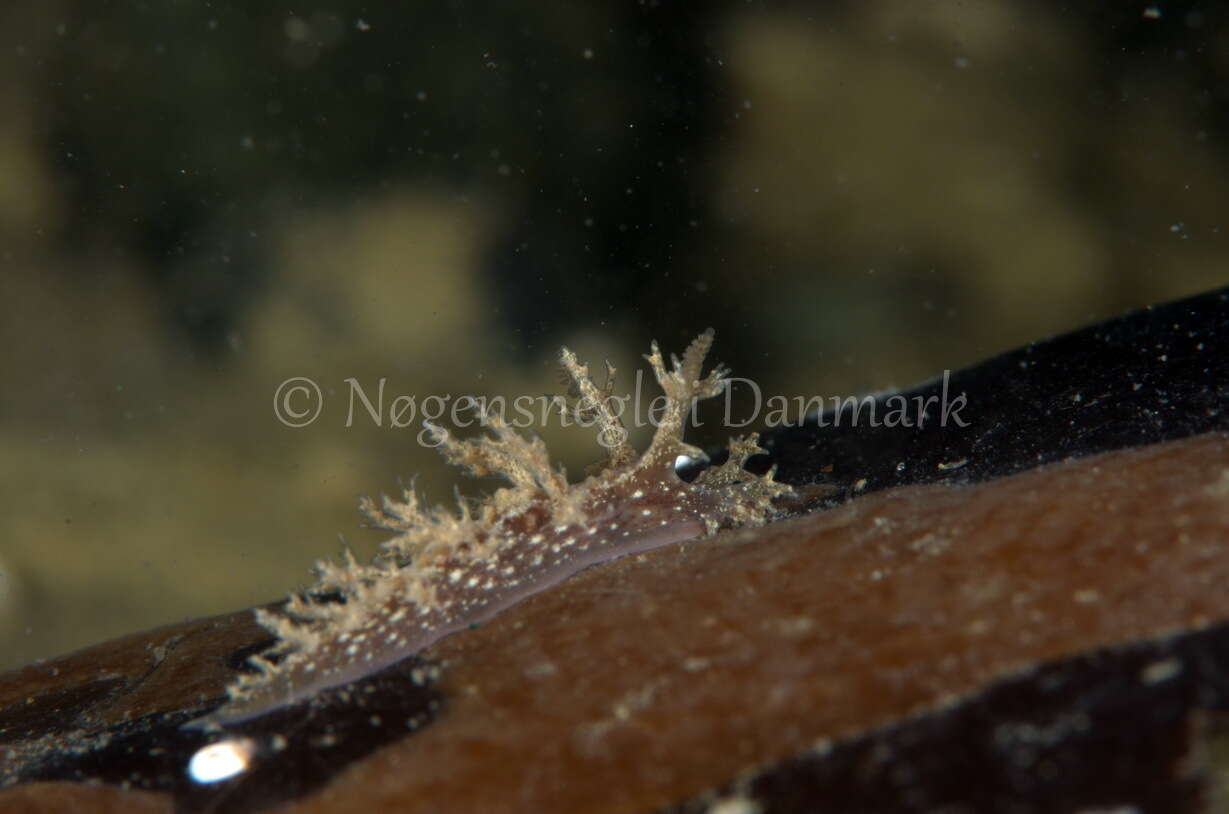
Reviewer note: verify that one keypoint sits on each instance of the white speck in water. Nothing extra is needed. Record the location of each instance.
(296, 29)
(1159, 671)
(737, 804)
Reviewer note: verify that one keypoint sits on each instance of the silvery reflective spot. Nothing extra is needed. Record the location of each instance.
(221, 761)
(684, 461)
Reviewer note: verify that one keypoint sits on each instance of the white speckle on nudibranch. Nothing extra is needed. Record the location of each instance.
(442, 572)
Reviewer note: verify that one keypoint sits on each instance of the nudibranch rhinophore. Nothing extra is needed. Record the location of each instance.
(443, 571)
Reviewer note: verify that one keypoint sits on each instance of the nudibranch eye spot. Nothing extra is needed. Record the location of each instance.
(444, 571)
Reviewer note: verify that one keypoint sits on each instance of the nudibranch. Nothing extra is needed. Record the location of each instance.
(443, 571)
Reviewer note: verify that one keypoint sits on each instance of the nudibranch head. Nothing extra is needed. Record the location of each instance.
(443, 571)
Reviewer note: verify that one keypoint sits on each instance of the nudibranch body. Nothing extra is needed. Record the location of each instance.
(445, 571)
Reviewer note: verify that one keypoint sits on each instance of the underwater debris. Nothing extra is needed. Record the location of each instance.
(443, 571)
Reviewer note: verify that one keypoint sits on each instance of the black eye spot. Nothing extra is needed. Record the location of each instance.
(688, 468)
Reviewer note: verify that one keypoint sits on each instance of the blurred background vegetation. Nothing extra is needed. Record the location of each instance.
(199, 200)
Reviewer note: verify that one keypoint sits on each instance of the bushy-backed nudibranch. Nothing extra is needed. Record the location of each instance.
(443, 571)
